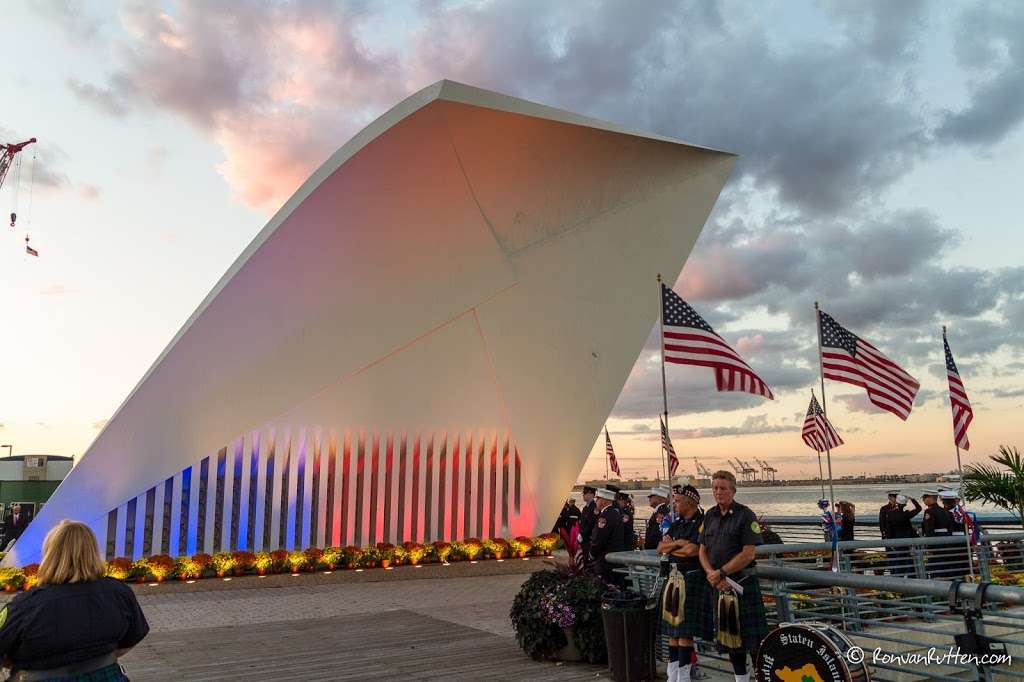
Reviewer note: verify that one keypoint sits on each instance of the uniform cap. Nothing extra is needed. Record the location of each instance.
(930, 491)
(605, 494)
(660, 491)
(893, 492)
(949, 495)
(613, 488)
(901, 499)
(589, 489)
(691, 492)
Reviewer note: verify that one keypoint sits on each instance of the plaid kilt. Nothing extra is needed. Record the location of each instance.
(753, 621)
(695, 583)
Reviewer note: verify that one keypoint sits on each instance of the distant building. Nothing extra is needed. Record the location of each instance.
(30, 479)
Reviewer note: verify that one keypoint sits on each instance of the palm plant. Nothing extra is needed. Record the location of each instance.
(996, 486)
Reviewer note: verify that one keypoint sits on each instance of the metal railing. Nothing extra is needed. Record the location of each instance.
(808, 528)
(894, 597)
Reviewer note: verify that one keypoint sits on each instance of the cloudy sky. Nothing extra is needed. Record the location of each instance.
(881, 155)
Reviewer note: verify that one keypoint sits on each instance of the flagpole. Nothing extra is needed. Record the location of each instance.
(606, 474)
(959, 469)
(821, 474)
(824, 410)
(664, 389)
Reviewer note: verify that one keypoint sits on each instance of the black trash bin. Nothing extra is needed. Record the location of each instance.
(630, 629)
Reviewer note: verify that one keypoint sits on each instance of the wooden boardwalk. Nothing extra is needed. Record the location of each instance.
(390, 645)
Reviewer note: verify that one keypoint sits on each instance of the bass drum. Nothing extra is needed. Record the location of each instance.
(811, 651)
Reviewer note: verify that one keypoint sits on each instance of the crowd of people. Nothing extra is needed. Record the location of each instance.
(711, 591)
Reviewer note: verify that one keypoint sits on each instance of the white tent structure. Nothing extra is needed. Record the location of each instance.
(422, 343)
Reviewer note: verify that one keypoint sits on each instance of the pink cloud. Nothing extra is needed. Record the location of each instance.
(278, 88)
(750, 344)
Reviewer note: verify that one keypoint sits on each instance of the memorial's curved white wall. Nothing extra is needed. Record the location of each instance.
(421, 344)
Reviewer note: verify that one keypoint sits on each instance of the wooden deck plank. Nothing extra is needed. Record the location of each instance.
(390, 645)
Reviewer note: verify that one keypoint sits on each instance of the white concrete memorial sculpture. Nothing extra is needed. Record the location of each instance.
(422, 343)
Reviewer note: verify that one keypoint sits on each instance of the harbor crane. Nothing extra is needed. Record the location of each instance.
(744, 471)
(9, 157)
(747, 468)
(701, 469)
(767, 470)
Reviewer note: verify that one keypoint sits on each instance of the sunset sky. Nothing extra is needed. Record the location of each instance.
(880, 172)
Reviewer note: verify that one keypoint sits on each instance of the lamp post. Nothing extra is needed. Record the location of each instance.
(10, 449)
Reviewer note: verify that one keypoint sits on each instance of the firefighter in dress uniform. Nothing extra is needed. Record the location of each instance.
(900, 526)
(937, 523)
(658, 499)
(681, 597)
(727, 544)
(588, 518)
(960, 564)
(625, 504)
(607, 534)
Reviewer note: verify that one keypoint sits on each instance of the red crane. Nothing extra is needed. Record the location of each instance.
(9, 151)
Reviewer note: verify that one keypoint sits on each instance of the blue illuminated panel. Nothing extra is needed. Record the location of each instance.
(186, 544)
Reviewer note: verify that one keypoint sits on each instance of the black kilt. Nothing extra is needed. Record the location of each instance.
(753, 621)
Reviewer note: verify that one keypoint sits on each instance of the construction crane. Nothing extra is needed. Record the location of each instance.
(701, 469)
(7, 160)
(9, 157)
(767, 470)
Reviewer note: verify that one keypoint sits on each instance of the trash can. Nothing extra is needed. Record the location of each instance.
(630, 629)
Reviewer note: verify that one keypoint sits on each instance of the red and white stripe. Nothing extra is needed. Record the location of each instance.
(888, 386)
(687, 339)
(707, 349)
(666, 442)
(610, 451)
(818, 432)
(963, 414)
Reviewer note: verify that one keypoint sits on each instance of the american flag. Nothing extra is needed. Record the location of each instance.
(666, 442)
(612, 462)
(689, 340)
(818, 432)
(849, 358)
(962, 412)
(30, 251)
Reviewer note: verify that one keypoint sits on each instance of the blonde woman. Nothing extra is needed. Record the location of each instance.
(75, 623)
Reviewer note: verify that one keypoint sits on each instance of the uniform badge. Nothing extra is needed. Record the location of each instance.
(701, 529)
(602, 522)
(755, 526)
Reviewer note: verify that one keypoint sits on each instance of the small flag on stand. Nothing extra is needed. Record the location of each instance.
(610, 451)
(689, 340)
(963, 414)
(666, 442)
(848, 358)
(818, 432)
